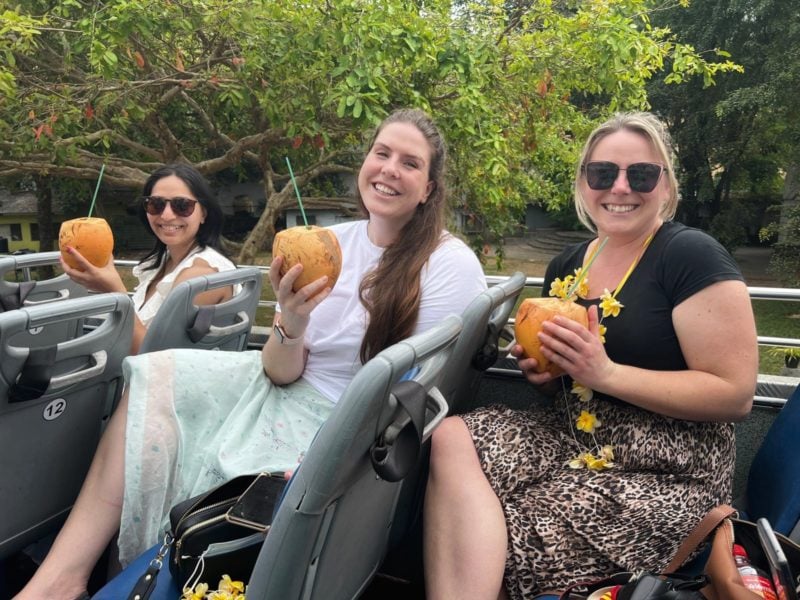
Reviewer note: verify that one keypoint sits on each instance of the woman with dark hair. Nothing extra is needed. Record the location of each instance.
(192, 419)
(180, 210)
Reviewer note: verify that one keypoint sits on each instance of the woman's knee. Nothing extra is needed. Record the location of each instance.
(452, 445)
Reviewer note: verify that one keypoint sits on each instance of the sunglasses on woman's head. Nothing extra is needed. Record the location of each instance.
(642, 177)
(182, 207)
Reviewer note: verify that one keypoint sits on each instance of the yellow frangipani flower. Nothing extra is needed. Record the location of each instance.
(610, 305)
(587, 422)
(598, 464)
(230, 586)
(583, 393)
(558, 288)
(607, 452)
(590, 461)
(583, 287)
(198, 593)
(580, 461)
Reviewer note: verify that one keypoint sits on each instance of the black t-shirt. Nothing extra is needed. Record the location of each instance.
(679, 262)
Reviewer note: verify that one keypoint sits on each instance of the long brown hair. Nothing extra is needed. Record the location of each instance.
(391, 293)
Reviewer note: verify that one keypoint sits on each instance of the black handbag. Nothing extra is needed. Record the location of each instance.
(205, 542)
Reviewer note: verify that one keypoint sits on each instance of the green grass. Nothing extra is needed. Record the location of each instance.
(775, 318)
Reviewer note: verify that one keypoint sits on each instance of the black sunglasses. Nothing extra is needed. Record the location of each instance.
(182, 207)
(642, 177)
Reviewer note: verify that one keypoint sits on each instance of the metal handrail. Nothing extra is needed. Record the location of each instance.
(756, 293)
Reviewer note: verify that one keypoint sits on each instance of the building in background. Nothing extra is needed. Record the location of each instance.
(19, 225)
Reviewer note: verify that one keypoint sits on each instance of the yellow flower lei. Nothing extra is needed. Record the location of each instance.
(610, 307)
(596, 459)
(227, 589)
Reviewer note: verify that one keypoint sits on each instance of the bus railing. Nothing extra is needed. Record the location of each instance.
(775, 386)
(756, 293)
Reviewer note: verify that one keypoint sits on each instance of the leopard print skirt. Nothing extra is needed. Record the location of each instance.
(569, 525)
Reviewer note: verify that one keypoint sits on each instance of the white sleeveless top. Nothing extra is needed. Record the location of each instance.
(147, 310)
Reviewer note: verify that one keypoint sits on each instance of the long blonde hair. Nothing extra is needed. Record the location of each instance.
(651, 129)
(391, 293)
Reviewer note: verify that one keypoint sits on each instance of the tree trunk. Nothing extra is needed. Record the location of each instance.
(44, 214)
(785, 261)
(791, 204)
(262, 233)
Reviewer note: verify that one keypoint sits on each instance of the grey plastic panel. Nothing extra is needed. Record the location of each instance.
(49, 442)
(484, 319)
(44, 291)
(230, 321)
(332, 529)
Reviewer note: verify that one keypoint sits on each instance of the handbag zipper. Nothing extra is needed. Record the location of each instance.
(179, 537)
(190, 515)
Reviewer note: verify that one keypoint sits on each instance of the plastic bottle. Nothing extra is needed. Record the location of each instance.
(754, 578)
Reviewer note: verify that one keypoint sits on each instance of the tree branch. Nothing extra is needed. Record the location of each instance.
(96, 136)
(120, 177)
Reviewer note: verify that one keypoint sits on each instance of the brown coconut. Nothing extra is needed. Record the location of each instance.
(91, 236)
(316, 248)
(532, 313)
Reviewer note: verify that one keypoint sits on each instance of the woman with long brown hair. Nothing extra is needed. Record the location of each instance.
(193, 419)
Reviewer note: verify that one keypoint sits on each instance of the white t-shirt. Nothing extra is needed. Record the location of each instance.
(146, 311)
(451, 279)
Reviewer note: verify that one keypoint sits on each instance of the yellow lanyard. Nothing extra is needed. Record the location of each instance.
(633, 264)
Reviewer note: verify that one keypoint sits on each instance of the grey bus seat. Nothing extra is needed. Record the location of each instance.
(27, 293)
(54, 403)
(179, 323)
(478, 346)
(476, 350)
(330, 533)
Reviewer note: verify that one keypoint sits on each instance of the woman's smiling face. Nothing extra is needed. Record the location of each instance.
(393, 179)
(619, 209)
(175, 231)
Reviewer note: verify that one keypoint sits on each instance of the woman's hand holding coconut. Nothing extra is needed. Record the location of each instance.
(296, 306)
(96, 279)
(574, 349)
(284, 355)
(86, 245)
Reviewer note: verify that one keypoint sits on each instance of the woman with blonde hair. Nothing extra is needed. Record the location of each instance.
(639, 443)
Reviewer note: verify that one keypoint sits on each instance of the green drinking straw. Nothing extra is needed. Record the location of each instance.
(97, 188)
(297, 193)
(585, 270)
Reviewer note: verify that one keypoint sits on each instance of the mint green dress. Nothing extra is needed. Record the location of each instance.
(183, 438)
(197, 418)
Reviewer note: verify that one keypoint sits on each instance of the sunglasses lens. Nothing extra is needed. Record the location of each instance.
(643, 177)
(154, 205)
(601, 175)
(183, 207)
